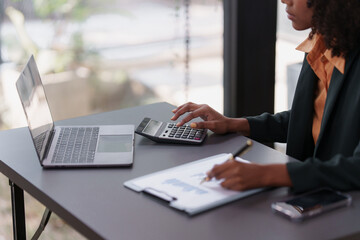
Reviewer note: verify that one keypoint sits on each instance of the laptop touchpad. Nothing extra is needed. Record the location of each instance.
(114, 143)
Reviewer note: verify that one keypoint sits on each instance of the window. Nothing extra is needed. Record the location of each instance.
(288, 59)
(96, 56)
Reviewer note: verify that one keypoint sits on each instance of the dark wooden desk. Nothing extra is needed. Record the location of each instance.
(95, 202)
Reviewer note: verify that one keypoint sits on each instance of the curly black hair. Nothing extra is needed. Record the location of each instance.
(338, 21)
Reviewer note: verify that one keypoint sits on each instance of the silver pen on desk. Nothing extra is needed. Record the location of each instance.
(239, 152)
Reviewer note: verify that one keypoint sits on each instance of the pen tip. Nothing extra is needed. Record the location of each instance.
(205, 179)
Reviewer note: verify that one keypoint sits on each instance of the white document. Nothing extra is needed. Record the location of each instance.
(181, 186)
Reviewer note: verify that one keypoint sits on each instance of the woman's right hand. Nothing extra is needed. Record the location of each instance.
(213, 120)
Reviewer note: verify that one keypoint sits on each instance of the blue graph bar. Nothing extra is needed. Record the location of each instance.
(185, 186)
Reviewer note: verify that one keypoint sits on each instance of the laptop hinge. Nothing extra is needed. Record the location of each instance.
(48, 144)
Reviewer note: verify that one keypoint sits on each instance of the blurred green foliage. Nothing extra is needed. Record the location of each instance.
(73, 9)
(60, 12)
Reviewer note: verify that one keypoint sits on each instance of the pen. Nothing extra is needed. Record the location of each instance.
(239, 152)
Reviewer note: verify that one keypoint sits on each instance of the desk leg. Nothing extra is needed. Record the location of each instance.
(18, 211)
(44, 221)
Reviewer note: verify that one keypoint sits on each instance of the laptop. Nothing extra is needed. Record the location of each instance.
(70, 146)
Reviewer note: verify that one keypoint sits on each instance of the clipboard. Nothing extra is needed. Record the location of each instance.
(180, 186)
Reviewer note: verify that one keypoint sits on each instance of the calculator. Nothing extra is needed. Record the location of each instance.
(170, 133)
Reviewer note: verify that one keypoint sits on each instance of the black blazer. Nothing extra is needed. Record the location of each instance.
(335, 159)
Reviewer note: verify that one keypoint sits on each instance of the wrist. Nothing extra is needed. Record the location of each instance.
(239, 125)
(275, 175)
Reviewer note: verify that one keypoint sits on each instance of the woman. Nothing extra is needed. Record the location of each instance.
(322, 129)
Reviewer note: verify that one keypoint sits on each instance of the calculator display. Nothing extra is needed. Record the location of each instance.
(152, 127)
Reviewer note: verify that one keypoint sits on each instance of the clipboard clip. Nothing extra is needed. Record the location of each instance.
(160, 194)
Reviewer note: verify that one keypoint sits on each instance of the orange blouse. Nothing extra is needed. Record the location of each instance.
(322, 63)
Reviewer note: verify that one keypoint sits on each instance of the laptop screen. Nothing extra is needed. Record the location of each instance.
(33, 99)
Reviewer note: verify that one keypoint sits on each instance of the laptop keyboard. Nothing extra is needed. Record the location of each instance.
(76, 145)
(39, 141)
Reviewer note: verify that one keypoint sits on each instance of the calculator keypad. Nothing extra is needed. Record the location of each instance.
(184, 132)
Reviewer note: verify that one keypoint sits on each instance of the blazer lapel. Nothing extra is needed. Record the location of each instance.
(336, 83)
(301, 144)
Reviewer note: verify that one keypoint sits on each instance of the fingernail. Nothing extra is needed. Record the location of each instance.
(172, 118)
(209, 175)
(174, 110)
(193, 125)
(178, 124)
